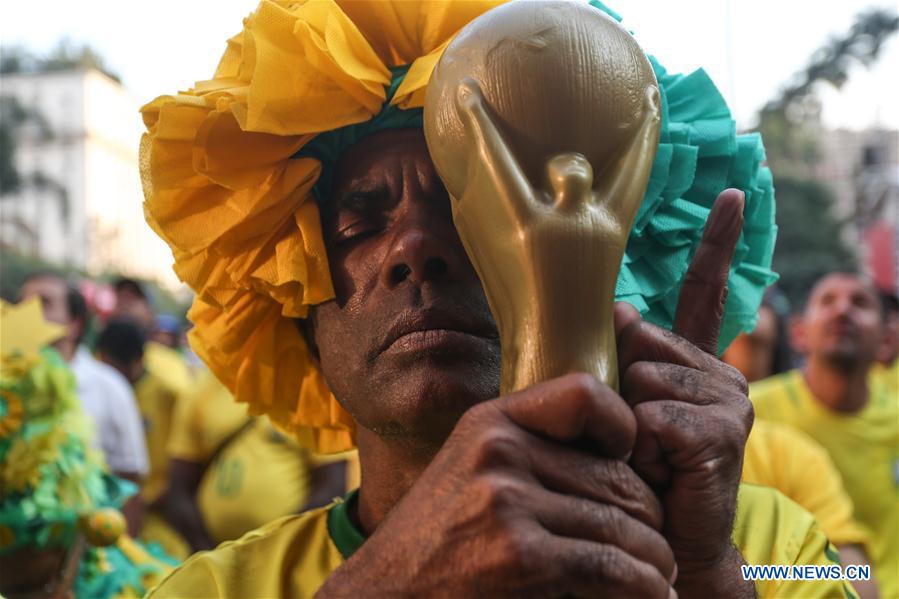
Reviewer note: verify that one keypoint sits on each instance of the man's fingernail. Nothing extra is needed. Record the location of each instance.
(729, 221)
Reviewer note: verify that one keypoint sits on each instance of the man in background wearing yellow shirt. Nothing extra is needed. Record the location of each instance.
(834, 400)
(786, 459)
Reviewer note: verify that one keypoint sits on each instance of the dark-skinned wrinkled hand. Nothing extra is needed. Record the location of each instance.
(530, 496)
(693, 414)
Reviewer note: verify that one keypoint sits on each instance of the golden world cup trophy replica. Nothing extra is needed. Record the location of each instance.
(543, 120)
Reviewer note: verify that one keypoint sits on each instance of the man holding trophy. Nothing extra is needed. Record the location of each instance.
(408, 225)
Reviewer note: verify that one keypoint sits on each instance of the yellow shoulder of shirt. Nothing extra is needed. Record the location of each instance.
(168, 366)
(790, 461)
(780, 397)
(290, 557)
(293, 556)
(888, 376)
(203, 419)
(771, 529)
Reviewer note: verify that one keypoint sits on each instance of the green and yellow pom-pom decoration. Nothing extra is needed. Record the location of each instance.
(103, 527)
(50, 476)
(10, 413)
(54, 486)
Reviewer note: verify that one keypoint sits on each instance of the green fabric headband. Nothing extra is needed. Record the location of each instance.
(327, 147)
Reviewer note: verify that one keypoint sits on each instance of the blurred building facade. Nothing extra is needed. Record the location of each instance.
(80, 201)
(862, 168)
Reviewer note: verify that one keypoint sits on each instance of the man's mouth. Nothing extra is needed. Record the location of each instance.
(435, 330)
(842, 329)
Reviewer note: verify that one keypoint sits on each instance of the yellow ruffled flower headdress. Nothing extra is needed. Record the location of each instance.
(232, 167)
(227, 186)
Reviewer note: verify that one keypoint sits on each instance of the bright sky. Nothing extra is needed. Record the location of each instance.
(749, 47)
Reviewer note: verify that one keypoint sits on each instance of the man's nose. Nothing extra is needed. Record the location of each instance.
(843, 306)
(421, 251)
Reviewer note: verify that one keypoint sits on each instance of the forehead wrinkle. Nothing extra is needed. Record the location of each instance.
(831, 284)
(429, 182)
(827, 287)
(365, 181)
(411, 175)
(393, 166)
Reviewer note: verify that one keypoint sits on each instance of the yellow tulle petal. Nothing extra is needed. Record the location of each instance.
(301, 403)
(411, 92)
(238, 159)
(296, 86)
(229, 65)
(402, 31)
(208, 276)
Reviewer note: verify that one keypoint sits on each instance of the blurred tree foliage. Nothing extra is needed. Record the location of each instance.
(811, 238)
(14, 117)
(65, 56)
(16, 267)
(11, 113)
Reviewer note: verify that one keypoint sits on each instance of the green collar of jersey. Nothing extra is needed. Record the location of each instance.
(344, 534)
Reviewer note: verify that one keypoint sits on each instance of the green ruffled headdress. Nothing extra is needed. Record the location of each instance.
(231, 170)
(699, 155)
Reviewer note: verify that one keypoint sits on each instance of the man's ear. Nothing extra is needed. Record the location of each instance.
(889, 342)
(796, 327)
(306, 327)
(108, 360)
(75, 330)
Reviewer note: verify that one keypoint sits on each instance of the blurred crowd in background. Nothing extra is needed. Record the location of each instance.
(207, 471)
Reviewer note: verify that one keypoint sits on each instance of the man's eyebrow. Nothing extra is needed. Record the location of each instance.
(363, 196)
(864, 294)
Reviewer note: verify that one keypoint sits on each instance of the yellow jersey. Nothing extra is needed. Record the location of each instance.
(865, 449)
(256, 475)
(260, 476)
(788, 460)
(888, 376)
(204, 419)
(293, 556)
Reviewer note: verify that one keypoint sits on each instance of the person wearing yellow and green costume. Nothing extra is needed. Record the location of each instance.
(333, 295)
(60, 529)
